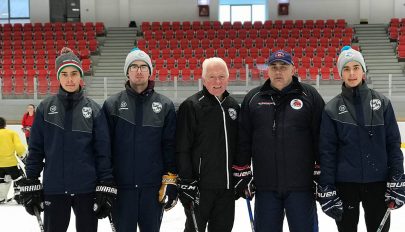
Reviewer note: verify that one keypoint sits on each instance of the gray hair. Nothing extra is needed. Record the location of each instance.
(213, 60)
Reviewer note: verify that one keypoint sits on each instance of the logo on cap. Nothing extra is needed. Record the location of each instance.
(279, 54)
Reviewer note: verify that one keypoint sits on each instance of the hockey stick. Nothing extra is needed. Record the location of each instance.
(387, 213)
(250, 214)
(111, 223)
(193, 216)
(39, 219)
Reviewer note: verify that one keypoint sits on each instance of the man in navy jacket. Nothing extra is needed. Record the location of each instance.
(142, 125)
(359, 151)
(70, 143)
(278, 133)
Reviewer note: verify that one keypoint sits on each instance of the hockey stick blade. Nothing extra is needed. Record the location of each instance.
(193, 216)
(111, 223)
(386, 215)
(39, 219)
(252, 226)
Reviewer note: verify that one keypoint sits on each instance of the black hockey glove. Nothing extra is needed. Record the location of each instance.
(106, 193)
(243, 182)
(168, 191)
(395, 193)
(31, 195)
(330, 202)
(188, 191)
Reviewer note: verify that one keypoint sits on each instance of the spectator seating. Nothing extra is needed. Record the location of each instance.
(313, 43)
(27, 50)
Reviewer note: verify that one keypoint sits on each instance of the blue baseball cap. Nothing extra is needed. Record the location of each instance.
(280, 55)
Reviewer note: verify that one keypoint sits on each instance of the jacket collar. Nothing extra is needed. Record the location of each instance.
(148, 91)
(206, 93)
(352, 92)
(63, 95)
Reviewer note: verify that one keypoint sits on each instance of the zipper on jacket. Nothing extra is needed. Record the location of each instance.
(274, 127)
(226, 142)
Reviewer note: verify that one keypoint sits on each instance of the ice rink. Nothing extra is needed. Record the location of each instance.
(15, 219)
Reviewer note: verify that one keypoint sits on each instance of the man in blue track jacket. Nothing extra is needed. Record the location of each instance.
(142, 126)
(70, 143)
(359, 151)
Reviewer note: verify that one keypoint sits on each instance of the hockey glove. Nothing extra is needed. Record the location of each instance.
(330, 202)
(243, 182)
(31, 195)
(395, 192)
(106, 193)
(168, 191)
(188, 191)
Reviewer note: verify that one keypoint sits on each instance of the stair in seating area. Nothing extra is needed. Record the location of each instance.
(110, 64)
(380, 57)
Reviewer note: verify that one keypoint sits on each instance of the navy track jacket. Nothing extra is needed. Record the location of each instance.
(142, 128)
(70, 141)
(360, 139)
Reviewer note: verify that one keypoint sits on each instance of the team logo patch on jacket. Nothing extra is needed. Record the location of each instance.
(296, 104)
(86, 111)
(232, 113)
(52, 110)
(123, 105)
(375, 104)
(156, 107)
(342, 109)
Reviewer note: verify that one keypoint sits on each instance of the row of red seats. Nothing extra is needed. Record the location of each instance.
(216, 25)
(12, 70)
(241, 52)
(240, 74)
(98, 27)
(249, 33)
(21, 82)
(397, 22)
(41, 64)
(238, 62)
(40, 53)
(49, 44)
(47, 35)
(240, 43)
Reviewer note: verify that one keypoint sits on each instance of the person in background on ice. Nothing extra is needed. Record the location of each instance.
(10, 146)
(27, 121)
(360, 155)
(207, 125)
(142, 126)
(279, 133)
(70, 143)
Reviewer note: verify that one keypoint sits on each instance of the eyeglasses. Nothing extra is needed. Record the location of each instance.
(135, 67)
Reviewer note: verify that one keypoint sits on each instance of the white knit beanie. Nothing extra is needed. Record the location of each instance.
(348, 54)
(137, 54)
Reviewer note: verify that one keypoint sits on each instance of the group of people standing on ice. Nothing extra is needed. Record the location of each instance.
(132, 158)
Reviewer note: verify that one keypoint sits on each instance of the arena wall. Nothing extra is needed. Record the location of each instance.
(120, 12)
